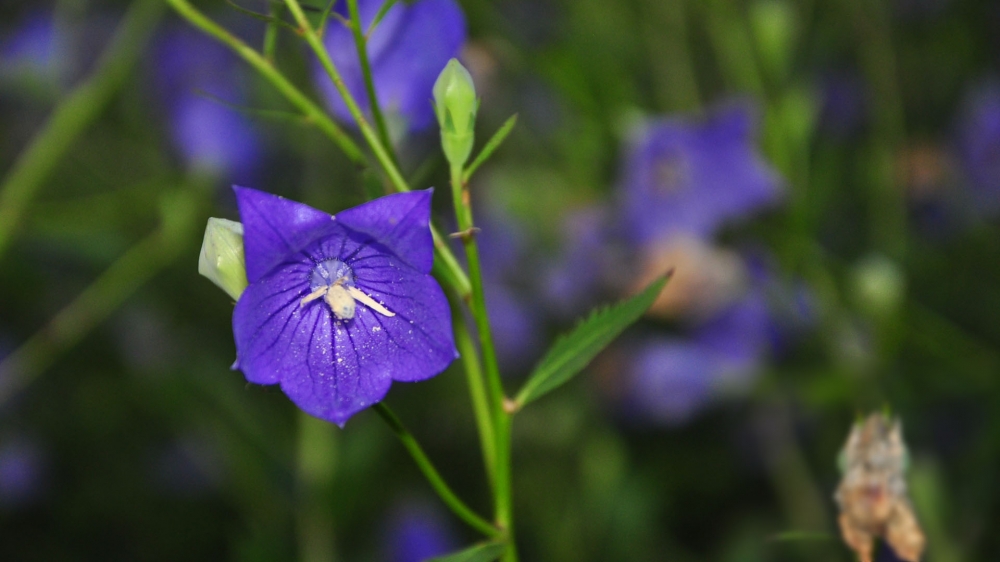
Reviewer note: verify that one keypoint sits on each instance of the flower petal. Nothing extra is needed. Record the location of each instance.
(274, 228)
(417, 342)
(399, 222)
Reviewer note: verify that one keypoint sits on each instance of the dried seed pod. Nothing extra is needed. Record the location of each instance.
(872, 493)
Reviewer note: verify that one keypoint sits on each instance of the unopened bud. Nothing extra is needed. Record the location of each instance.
(879, 286)
(221, 259)
(456, 105)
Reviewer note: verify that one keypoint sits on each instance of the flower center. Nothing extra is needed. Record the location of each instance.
(333, 281)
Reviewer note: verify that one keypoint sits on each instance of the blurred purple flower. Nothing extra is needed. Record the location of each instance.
(407, 51)
(189, 467)
(191, 70)
(32, 48)
(669, 380)
(339, 307)
(694, 176)
(979, 146)
(574, 279)
(417, 531)
(22, 472)
(844, 103)
(514, 317)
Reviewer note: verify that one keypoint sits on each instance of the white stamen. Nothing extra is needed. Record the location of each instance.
(313, 296)
(369, 302)
(340, 302)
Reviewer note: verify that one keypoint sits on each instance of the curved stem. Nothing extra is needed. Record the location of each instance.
(272, 75)
(456, 505)
(361, 44)
(73, 115)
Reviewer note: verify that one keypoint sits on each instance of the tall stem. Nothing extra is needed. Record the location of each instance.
(501, 419)
(456, 505)
(361, 44)
(477, 390)
(83, 105)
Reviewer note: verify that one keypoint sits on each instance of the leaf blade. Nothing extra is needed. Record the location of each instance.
(574, 351)
(485, 552)
(491, 145)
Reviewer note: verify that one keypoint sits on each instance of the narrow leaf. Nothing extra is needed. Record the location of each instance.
(378, 17)
(494, 143)
(486, 552)
(275, 114)
(262, 17)
(572, 352)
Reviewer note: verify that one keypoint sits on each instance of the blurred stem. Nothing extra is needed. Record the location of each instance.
(477, 390)
(456, 505)
(789, 471)
(501, 418)
(271, 33)
(361, 44)
(315, 468)
(669, 55)
(734, 49)
(123, 278)
(875, 51)
(455, 276)
(69, 119)
(311, 111)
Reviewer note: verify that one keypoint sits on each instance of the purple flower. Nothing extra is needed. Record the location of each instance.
(589, 262)
(192, 69)
(979, 146)
(416, 532)
(22, 472)
(340, 306)
(669, 380)
(692, 177)
(407, 51)
(33, 48)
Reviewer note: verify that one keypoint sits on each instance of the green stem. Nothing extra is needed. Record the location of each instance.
(666, 38)
(455, 277)
(477, 390)
(311, 111)
(123, 278)
(316, 43)
(456, 505)
(361, 44)
(315, 469)
(72, 116)
(501, 418)
(734, 49)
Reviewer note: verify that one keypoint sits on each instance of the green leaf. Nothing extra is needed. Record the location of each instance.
(378, 17)
(573, 352)
(494, 143)
(486, 552)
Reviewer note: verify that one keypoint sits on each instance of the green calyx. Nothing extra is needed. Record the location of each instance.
(221, 259)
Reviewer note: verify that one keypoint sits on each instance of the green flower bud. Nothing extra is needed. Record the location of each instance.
(775, 27)
(221, 257)
(456, 105)
(879, 286)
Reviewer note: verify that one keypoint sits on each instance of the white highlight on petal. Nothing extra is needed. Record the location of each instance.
(369, 302)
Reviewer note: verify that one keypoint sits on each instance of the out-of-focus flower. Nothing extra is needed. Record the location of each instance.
(189, 466)
(33, 51)
(669, 380)
(407, 51)
(705, 280)
(588, 263)
(340, 306)
(979, 146)
(686, 176)
(191, 70)
(872, 494)
(22, 472)
(844, 104)
(415, 532)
